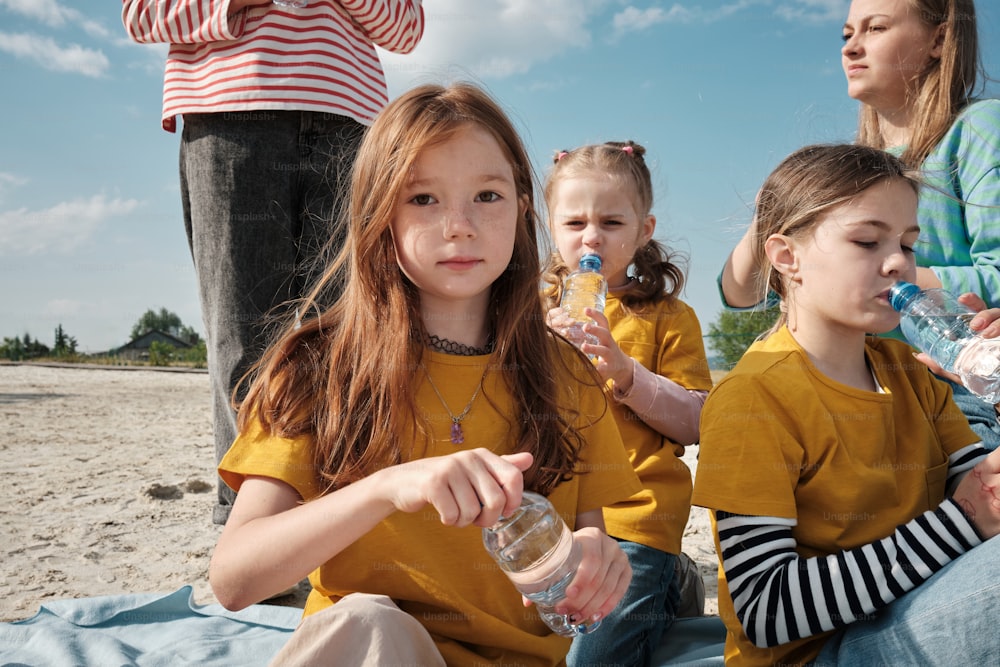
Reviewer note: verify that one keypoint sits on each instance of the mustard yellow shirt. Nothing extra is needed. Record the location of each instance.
(442, 575)
(781, 439)
(666, 339)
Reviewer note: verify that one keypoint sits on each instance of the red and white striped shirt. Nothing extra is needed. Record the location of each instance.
(318, 58)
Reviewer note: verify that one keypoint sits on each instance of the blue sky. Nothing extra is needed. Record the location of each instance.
(91, 234)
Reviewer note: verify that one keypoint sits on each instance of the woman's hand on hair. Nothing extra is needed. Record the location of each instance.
(474, 487)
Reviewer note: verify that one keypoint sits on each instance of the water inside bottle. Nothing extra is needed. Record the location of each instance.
(535, 549)
(979, 367)
(582, 291)
(941, 336)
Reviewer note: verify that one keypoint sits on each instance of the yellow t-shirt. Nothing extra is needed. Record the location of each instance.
(442, 575)
(666, 339)
(779, 438)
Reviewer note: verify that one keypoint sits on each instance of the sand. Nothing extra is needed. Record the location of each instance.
(109, 482)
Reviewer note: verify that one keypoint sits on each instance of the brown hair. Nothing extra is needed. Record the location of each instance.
(944, 88)
(345, 372)
(809, 183)
(657, 271)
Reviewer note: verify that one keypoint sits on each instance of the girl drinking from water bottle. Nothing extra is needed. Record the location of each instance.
(915, 68)
(382, 431)
(650, 354)
(853, 504)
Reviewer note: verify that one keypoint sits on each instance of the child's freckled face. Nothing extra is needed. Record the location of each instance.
(455, 220)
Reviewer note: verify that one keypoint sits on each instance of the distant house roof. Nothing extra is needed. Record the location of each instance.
(145, 340)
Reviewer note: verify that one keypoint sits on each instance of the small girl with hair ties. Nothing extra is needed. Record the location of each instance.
(650, 354)
(385, 428)
(853, 506)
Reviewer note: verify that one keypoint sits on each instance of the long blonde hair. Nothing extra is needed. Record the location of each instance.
(807, 184)
(944, 88)
(344, 372)
(657, 271)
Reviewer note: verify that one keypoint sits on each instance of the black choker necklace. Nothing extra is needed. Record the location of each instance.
(446, 346)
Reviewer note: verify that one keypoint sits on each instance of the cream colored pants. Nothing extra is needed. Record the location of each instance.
(361, 629)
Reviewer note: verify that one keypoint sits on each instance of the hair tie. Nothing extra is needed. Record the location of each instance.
(627, 149)
(560, 155)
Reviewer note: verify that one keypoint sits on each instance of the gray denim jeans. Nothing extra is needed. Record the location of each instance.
(262, 193)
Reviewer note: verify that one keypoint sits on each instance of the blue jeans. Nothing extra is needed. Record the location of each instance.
(981, 415)
(261, 193)
(631, 633)
(950, 619)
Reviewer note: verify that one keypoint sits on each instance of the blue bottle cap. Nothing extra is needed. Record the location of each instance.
(901, 293)
(590, 262)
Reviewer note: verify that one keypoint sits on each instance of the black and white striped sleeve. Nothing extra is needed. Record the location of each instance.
(962, 462)
(780, 596)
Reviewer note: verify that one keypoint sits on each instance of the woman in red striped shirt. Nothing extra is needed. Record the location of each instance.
(274, 102)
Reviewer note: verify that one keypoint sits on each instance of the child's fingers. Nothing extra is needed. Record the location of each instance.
(973, 301)
(468, 487)
(598, 317)
(497, 482)
(557, 318)
(600, 581)
(513, 482)
(935, 367)
(986, 323)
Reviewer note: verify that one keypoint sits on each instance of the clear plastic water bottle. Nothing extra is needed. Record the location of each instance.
(582, 289)
(535, 549)
(934, 321)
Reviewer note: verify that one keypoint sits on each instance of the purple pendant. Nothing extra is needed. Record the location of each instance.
(457, 437)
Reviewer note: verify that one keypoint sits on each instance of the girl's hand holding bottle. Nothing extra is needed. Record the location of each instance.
(601, 580)
(986, 323)
(560, 321)
(611, 363)
(473, 487)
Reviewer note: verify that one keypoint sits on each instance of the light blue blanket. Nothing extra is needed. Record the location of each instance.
(171, 630)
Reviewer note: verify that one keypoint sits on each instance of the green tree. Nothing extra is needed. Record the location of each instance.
(165, 321)
(197, 356)
(12, 349)
(160, 353)
(24, 347)
(65, 345)
(732, 334)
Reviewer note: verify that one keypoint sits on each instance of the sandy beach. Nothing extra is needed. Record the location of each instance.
(109, 484)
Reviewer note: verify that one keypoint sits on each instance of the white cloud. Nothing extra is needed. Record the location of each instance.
(59, 229)
(54, 15)
(63, 307)
(491, 39)
(45, 52)
(813, 11)
(633, 19)
(9, 182)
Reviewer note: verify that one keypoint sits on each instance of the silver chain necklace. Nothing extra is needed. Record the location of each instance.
(457, 435)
